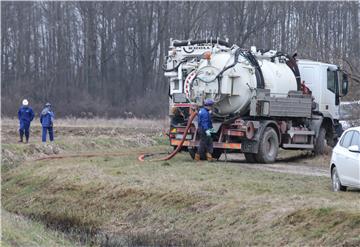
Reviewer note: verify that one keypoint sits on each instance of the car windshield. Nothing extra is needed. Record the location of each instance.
(346, 140)
(355, 139)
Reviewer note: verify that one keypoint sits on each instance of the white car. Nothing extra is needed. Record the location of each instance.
(345, 161)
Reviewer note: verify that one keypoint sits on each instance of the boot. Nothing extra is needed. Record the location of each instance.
(21, 138)
(209, 157)
(197, 157)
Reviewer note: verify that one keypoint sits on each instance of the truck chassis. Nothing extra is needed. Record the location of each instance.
(290, 122)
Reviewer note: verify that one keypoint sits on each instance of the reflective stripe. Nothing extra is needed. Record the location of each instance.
(227, 145)
(177, 142)
(234, 133)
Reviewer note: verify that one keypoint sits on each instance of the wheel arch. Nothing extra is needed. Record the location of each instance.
(332, 168)
(328, 124)
(343, 187)
(319, 121)
(264, 125)
(275, 127)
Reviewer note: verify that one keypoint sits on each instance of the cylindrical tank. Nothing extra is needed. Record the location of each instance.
(233, 90)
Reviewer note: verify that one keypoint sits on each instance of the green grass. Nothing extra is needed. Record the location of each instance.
(14, 154)
(183, 202)
(119, 201)
(18, 231)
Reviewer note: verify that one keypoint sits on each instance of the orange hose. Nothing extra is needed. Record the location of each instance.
(82, 155)
(140, 158)
(177, 149)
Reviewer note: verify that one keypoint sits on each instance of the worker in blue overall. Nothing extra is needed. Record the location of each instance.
(25, 115)
(205, 129)
(47, 119)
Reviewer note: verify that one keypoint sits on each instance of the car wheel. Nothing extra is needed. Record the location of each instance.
(336, 184)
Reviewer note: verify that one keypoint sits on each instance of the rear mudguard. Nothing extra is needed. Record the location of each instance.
(252, 146)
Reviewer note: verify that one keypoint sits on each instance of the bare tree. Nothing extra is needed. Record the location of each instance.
(106, 57)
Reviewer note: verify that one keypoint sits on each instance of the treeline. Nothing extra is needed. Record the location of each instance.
(105, 58)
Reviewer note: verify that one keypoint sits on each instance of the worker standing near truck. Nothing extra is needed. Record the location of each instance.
(47, 119)
(25, 115)
(205, 129)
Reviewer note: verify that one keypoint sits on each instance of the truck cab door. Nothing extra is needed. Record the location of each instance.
(331, 93)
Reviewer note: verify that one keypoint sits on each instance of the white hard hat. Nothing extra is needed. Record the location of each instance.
(25, 102)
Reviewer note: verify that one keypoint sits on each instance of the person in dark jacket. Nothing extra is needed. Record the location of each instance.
(25, 115)
(205, 129)
(47, 119)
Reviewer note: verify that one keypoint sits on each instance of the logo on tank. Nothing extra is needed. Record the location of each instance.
(191, 49)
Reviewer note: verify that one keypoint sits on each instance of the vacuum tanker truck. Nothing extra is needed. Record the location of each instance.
(264, 99)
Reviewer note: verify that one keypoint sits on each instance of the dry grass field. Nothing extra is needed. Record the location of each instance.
(116, 200)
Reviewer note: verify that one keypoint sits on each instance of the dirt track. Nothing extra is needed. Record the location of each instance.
(290, 169)
(302, 164)
(277, 167)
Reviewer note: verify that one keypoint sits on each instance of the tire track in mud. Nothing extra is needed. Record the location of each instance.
(288, 165)
(290, 169)
(276, 167)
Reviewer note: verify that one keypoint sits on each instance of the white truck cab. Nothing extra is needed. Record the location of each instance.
(327, 83)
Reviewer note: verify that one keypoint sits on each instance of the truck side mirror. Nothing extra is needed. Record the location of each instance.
(345, 85)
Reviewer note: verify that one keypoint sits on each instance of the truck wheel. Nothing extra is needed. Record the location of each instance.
(269, 146)
(250, 157)
(320, 142)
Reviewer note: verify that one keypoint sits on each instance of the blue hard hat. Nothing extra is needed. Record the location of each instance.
(208, 102)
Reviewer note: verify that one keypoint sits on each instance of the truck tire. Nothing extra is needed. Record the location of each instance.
(268, 147)
(319, 147)
(250, 157)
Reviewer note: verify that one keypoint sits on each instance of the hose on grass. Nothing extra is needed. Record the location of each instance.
(142, 157)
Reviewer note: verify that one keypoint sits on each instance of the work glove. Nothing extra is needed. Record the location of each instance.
(208, 132)
(212, 130)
